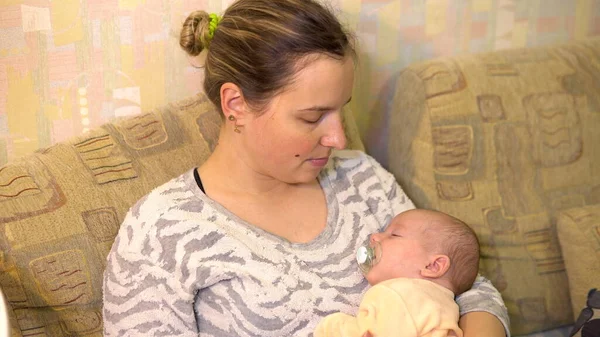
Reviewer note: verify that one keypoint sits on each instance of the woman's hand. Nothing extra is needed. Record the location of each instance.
(481, 323)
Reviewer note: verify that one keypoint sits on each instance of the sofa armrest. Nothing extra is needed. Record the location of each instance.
(579, 237)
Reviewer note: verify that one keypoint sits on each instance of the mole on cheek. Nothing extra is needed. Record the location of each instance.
(297, 156)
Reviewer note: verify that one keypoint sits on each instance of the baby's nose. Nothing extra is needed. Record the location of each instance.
(374, 238)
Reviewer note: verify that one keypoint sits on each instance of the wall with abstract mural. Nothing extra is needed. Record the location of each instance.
(67, 66)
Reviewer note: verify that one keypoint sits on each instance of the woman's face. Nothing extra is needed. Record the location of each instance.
(292, 140)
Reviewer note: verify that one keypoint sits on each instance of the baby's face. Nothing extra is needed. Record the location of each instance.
(403, 252)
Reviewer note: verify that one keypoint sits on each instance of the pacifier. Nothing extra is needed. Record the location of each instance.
(368, 255)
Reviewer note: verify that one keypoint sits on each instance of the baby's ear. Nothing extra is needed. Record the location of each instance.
(437, 267)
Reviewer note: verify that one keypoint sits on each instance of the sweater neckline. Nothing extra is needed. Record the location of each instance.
(319, 241)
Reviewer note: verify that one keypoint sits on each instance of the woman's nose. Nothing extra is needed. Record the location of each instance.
(335, 136)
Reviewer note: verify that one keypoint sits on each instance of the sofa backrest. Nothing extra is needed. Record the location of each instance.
(61, 208)
(505, 141)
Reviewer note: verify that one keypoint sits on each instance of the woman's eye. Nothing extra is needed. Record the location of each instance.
(313, 118)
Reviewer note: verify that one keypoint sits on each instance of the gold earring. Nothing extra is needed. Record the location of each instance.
(235, 127)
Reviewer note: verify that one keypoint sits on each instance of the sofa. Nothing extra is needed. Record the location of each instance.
(506, 141)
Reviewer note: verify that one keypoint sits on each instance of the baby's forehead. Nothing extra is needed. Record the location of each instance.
(416, 216)
(421, 221)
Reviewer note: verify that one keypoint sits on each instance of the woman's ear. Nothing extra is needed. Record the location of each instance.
(232, 101)
(438, 266)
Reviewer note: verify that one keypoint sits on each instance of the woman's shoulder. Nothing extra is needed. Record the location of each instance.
(165, 196)
(163, 206)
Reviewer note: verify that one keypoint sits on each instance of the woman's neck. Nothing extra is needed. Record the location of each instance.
(230, 171)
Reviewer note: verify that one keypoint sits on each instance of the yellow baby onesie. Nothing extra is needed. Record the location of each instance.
(399, 307)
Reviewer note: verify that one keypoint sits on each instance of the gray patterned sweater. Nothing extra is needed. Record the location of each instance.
(182, 265)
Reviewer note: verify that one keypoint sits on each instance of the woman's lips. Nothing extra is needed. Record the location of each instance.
(319, 162)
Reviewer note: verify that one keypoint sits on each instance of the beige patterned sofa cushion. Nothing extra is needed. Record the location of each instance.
(579, 237)
(61, 208)
(505, 141)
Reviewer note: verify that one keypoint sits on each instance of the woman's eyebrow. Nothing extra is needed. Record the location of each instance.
(317, 108)
(322, 108)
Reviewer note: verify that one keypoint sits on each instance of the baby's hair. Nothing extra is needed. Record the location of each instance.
(260, 45)
(458, 241)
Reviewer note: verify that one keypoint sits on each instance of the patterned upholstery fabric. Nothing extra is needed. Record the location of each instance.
(579, 237)
(505, 141)
(564, 331)
(61, 207)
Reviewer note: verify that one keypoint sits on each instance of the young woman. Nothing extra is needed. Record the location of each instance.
(260, 239)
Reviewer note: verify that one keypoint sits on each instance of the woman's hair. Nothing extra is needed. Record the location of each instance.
(260, 45)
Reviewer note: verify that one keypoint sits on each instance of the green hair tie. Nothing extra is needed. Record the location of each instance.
(212, 25)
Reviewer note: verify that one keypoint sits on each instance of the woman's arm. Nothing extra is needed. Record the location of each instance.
(139, 301)
(482, 311)
(141, 292)
(481, 324)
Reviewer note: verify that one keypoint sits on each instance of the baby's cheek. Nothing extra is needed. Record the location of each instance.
(375, 275)
(370, 278)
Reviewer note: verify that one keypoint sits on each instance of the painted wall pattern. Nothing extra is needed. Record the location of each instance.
(67, 66)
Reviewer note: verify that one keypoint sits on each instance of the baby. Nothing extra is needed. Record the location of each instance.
(416, 266)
